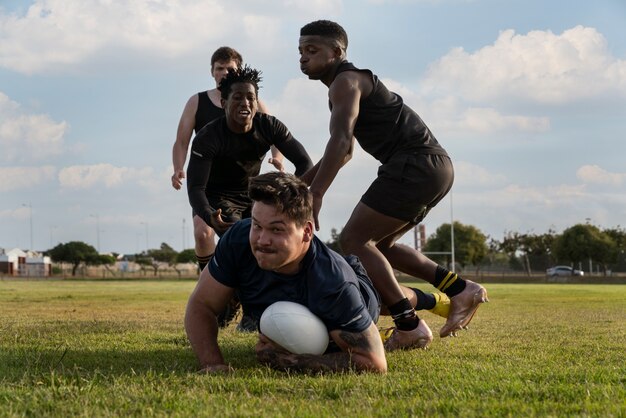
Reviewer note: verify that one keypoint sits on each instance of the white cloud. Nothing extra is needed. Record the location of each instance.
(592, 174)
(66, 35)
(20, 213)
(304, 97)
(62, 33)
(313, 8)
(540, 66)
(470, 175)
(110, 176)
(448, 114)
(27, 137)
(19, 178)
(489, 120)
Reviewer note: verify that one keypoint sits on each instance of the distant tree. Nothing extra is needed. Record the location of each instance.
(186, 256)
(157, 257)
(495, 257)
(529, 246)
(583, 242)
(618, 234)
(77, 253)
(470, 244)
(333, 242)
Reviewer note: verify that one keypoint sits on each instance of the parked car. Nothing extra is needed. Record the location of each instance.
(563, 271)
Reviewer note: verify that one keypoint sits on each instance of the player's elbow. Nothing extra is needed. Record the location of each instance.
(370, 363)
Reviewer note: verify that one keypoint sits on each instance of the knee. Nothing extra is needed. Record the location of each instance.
(385, 245)
(204, 236)
(350, 242)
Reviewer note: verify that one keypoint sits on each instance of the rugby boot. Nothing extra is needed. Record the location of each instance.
(420, 337)
(463, 307)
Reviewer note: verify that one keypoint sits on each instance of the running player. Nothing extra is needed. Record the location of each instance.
(416, 173)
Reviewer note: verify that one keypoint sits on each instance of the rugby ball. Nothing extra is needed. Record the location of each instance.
(294, 327)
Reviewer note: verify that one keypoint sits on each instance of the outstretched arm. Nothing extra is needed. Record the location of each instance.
(183, 136)
(206, 301)
(362, 351)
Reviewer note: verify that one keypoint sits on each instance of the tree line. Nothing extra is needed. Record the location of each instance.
(78, 253)
(579, 246)
(576, 246)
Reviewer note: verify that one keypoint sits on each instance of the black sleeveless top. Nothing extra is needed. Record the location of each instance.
(387, 127)
(206, 112)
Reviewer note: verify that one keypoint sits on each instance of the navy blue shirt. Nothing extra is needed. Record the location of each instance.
(334, 288)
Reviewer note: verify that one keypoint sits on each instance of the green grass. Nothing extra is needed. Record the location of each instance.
(118, 348)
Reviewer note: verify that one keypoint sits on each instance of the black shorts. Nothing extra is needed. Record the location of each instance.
(408, 186)
(235, 205)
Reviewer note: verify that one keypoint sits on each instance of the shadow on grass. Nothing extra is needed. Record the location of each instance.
(22, 363)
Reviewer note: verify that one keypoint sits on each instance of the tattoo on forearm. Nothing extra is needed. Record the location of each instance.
(356, 339)
(339, 361)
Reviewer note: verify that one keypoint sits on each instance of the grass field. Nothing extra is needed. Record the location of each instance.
(118, 348)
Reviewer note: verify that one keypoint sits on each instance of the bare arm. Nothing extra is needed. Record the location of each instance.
(362, 351)
(344, 94)
(206, 301)
(183, 137)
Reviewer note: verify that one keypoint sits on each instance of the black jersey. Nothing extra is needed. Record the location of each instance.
(239, 156)
(386, 126)
(207, 111)
(334, 288)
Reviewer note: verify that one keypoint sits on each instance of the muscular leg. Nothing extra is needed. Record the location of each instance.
(204, 237)
(365, 228)
(406, 259)
(372, 237)
(408, 293)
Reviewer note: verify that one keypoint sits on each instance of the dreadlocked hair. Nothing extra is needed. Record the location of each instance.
(245, 74)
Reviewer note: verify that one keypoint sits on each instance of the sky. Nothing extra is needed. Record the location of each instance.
(527, 96)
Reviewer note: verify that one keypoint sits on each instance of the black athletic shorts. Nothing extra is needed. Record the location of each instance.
(235, 206)
(408, 186)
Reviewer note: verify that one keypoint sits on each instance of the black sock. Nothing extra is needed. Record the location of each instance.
(424, 300)
(203, 261)
(403, 315)
(448, 282)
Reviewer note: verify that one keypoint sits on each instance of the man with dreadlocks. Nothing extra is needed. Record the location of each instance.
(416, 173)
(239, 141)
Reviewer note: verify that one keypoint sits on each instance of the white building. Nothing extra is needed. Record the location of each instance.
(20, 263)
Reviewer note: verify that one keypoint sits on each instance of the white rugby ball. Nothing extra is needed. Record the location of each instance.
(295, 328)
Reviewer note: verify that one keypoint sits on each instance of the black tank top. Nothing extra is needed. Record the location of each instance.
(387, 127)
(207, 111)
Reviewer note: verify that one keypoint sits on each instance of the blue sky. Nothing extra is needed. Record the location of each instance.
(528, 97)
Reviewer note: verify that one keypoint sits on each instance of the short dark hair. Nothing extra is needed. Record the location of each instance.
(286, 192)
(245, 74)
(225, 54)
(327, 29)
